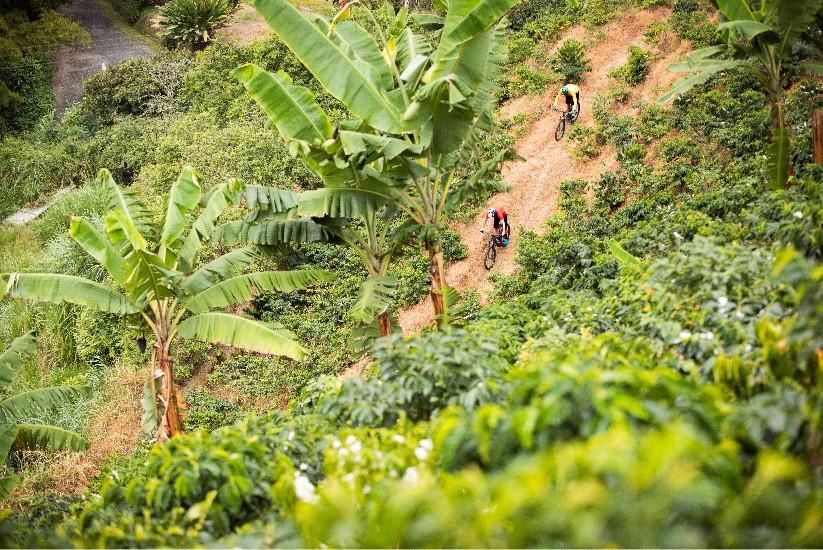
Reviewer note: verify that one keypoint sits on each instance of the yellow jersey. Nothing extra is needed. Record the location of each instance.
(573, 91)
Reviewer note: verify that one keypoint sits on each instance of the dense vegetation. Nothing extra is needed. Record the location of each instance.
(649, 376)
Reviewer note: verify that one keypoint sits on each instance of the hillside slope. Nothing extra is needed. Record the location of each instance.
(535, 182)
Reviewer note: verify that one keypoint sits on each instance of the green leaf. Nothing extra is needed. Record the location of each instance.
(134, 212)
(12, 360)
(357, 44)
(777, 159)
(409, 47)
(345, 77)
(620, 253)
(31, 402)
(265, 202)
(812, 66)
(735, 9)
(465, 20)
(219, 269)
(375, 296)
(98, 247)
(746, 29)
(57, 289)
(120, 228)
(203, 227)
(292, 108)
(146, 276)
(271, 233)
(153, 409)
(8, 434)
(791, 18)
(343, 202)
(481, 181)
(183, 197)
(687, 83)
(243, 288)
(233, 330)
(52, 438)
(7, 484)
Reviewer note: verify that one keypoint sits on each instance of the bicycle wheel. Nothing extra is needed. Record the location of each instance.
(561, 128)
(491, 255)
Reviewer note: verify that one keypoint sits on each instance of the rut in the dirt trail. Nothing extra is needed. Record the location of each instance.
(535, 181)
(74, 64)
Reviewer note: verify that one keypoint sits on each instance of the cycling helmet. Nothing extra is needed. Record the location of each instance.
(564, 90)
(492, 211)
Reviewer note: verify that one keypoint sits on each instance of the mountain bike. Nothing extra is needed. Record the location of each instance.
(561, 125)
(495, 240)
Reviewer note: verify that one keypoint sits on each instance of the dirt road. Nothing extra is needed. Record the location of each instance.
(74, 64)
(535, 182)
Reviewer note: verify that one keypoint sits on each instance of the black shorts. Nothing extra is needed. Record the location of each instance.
(570, 101)
(504, 221)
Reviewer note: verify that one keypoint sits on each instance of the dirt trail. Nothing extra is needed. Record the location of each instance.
(74, 64)
(535, 182)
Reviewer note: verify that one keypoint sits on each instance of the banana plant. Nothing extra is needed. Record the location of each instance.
(760, 37)
(417, 109)
(15, 407)
(162, 284)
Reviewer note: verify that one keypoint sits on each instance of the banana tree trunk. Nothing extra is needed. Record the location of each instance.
(437, 271)
(817, 136)
(170, 423)
(779, 150)
(385, 323)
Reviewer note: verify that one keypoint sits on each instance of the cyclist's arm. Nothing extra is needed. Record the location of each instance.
(557, 99)
(483, 227)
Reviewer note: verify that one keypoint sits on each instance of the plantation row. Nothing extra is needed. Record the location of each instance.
(649, 376)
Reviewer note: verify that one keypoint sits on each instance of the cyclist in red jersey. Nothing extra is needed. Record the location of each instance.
(500, 217)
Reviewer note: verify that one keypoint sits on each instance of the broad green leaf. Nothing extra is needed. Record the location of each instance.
(375, 296)
(8, 483)
(12, 360)
(343, 202)
(31, 402)
(183, 197)
(153, 409)
(735, 9)
(52, 438)
(120, 228)
(203, 227)
(356, 43)
(227, 265)
(265, 202)
(791, 18)
(343, 76)
(777, 160)
(98, 247)
(620, 253)
(687, 83)
(271, 233)
(812, 66)
(8, 434)
(375, 146)
(692, 61)
(232, 330)
(57, 289)
(148, 276)
(126, 202)
(465, 20)
(409, 47)
(243, 288)
(746, 29)
(480, 183)
(292, 108)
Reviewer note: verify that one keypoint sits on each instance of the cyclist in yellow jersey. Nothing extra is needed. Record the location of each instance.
(571, 93)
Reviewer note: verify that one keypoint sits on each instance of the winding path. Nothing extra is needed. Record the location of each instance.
(74, 64)
(535, 182)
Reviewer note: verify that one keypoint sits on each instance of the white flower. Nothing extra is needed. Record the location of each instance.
(708, 335)
(421, 453)
(798, 214)
(355, 447)
(343, 451)
(748, 347)
(398, 438)
(411, 475)
(739, 314)
(427, 444)
(115, 475)
(351, 439)
(684, 334)
(335, 444)
(290, 437)
(366, 489)
(320, 385)
(378, 454)
(304, 489)
(349, 478)
(678, 236)
(722, 301)
(304, 466)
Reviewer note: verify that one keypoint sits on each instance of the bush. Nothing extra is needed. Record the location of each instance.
(193, 22)
(131, 10)
(636, 68)
(207, 412)
(570, 61)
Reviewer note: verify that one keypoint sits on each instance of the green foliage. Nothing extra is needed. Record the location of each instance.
(194, 22)
(208, 412)
(570, 61)
(131, 10)
(636, 68)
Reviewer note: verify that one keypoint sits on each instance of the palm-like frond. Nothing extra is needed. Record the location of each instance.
(98, 247)
(14, 357)
(8, 434)
(243, 288)
(183, 197)
(227, 265)
(271, 233)
(31, 402)
(265, 202)
(51, 438)
(57, 289)
(233, 330)
(126, 202)
(375, 296)
(203, 227)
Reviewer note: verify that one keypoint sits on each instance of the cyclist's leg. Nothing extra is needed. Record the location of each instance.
(569, 106)
(578, 106)
(508, 228)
